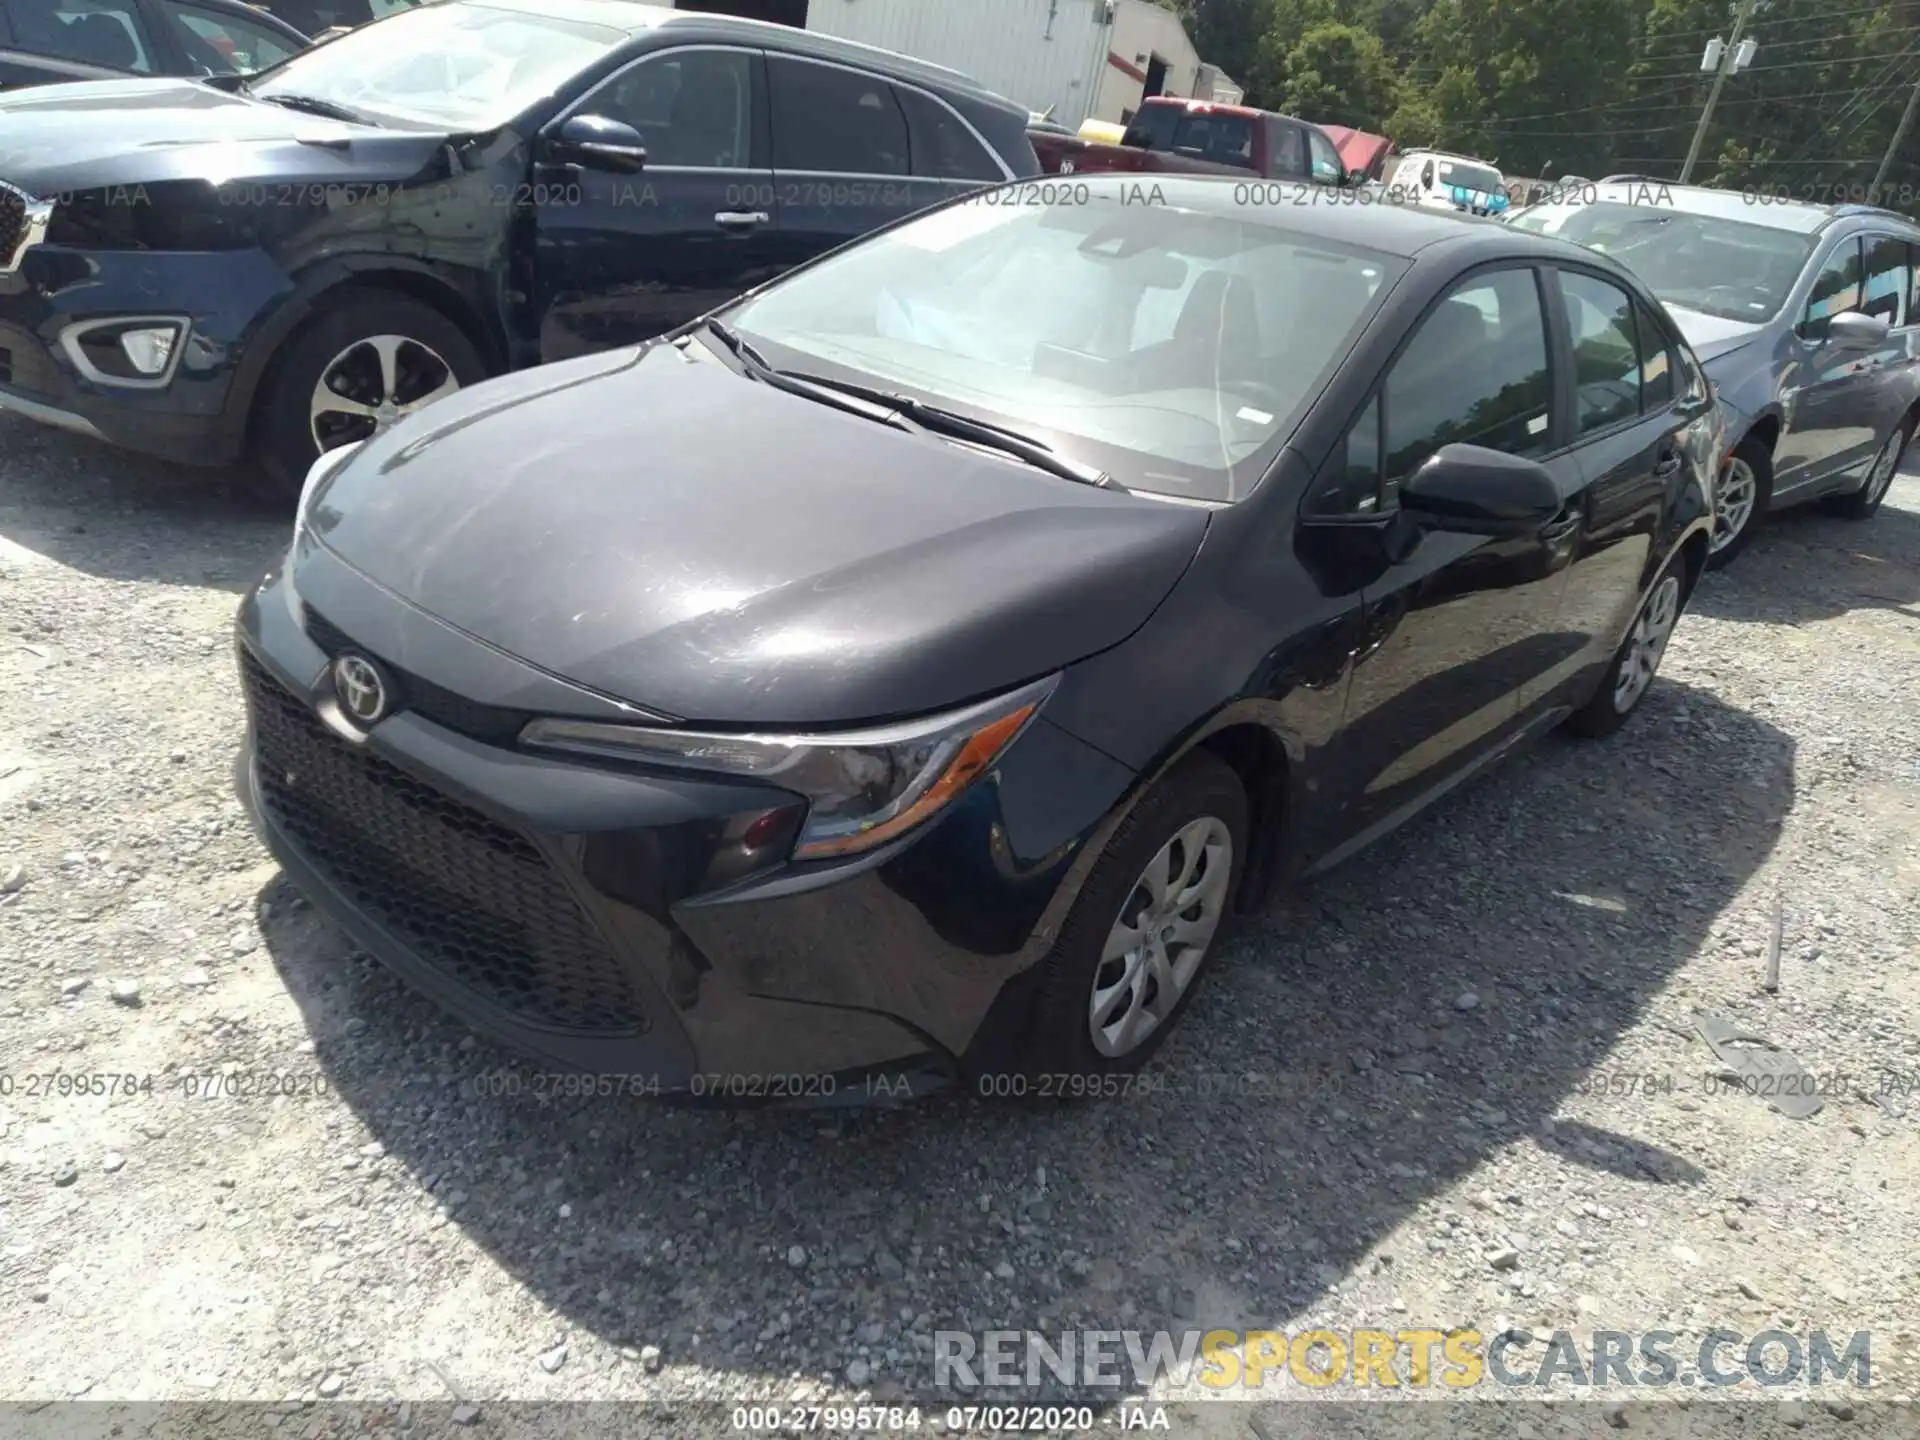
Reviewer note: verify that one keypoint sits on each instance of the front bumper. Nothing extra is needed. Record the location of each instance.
(221, 295)
(572, 910)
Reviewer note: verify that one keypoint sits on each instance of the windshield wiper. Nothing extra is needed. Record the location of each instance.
(755, 364)
(956, 426)
(312, 105)
(905, 412)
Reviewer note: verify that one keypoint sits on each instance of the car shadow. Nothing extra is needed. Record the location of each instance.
(1365, 1052)
(83, 504)
(1807, 564)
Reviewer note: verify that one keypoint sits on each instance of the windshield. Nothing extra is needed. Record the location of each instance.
(1470, 177)
(1728, 268)
(1171, 349)
(452, 67)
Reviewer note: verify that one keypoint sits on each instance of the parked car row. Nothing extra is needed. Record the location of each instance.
(831, 660)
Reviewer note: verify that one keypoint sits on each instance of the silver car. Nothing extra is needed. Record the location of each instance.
(1805, 317)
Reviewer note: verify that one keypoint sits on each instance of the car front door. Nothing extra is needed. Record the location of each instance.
(842, 159)
(1460, 628)
(623, 255)
(1828, 404)
(1324, 160)
(1633, 414)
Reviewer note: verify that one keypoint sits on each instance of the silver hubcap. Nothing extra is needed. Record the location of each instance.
(1647, 643)
(368, 386)
(1733, 504)
(1156, 945)
(1884, 464)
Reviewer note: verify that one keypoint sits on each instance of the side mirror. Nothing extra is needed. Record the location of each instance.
(1355, 179)
(1856, 330)
(1470, 490)
(598, 143)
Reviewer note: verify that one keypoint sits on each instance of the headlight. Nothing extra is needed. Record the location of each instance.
(329, 461)
(863, 787)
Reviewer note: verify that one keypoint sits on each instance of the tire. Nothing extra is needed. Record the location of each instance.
(1751, 463)
(1621, 691)
(350, 339)
(1200, 799)
(1879, 478)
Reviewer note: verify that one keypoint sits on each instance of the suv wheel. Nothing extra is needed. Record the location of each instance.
(1740, 499)
(1886, 464)
(1130, 955)
(361, 367)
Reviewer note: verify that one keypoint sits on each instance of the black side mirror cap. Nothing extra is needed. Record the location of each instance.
(598, 143)
(1471, 490)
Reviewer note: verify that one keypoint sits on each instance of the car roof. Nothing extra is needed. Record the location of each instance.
(1384, 224)
(637, 18)
(1795, 215)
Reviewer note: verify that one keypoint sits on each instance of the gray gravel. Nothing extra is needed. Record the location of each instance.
(1372, 1116)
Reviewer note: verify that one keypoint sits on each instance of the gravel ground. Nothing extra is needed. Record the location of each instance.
(1403, 1099)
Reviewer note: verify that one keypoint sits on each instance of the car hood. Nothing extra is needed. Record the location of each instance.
(1712, 336)
(56, 139)
(659, 528)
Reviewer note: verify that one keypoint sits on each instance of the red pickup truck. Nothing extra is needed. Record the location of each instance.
(1171, 135)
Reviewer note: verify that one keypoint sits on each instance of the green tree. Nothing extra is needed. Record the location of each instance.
(1340, 75)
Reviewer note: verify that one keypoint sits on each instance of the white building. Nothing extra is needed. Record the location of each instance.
(1081, 59)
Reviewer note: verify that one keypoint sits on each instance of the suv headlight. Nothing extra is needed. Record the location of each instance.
(863, 787)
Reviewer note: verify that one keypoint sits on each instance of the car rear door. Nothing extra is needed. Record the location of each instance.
(842, 155)
(1461, 627)
(1633, 404)
(622, 257)
(1894, 365)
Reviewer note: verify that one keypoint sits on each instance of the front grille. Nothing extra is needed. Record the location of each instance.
(465, 893)
(492, 723)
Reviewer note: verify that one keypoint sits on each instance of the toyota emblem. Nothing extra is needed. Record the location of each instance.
(362, 693)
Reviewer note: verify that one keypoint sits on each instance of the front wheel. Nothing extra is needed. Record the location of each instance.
(1636, 662)
(1131, 953)
(358, 369)
(1886, 464)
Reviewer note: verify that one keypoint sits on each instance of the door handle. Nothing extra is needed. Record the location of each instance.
(1562, 525)
(1667, 465)
(741, 218)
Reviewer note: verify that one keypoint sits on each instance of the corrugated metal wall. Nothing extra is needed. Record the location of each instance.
(1038, 52)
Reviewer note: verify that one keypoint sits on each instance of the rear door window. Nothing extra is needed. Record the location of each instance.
(832, 121)
(941, 145)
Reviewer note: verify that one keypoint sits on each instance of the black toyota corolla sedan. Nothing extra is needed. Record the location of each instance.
(910, 668)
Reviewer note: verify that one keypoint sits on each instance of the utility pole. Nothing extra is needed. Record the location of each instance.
(1724, 62)
(1899, 134)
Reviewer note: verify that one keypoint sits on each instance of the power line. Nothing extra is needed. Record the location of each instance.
(1825, 15)
(1502, 127)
